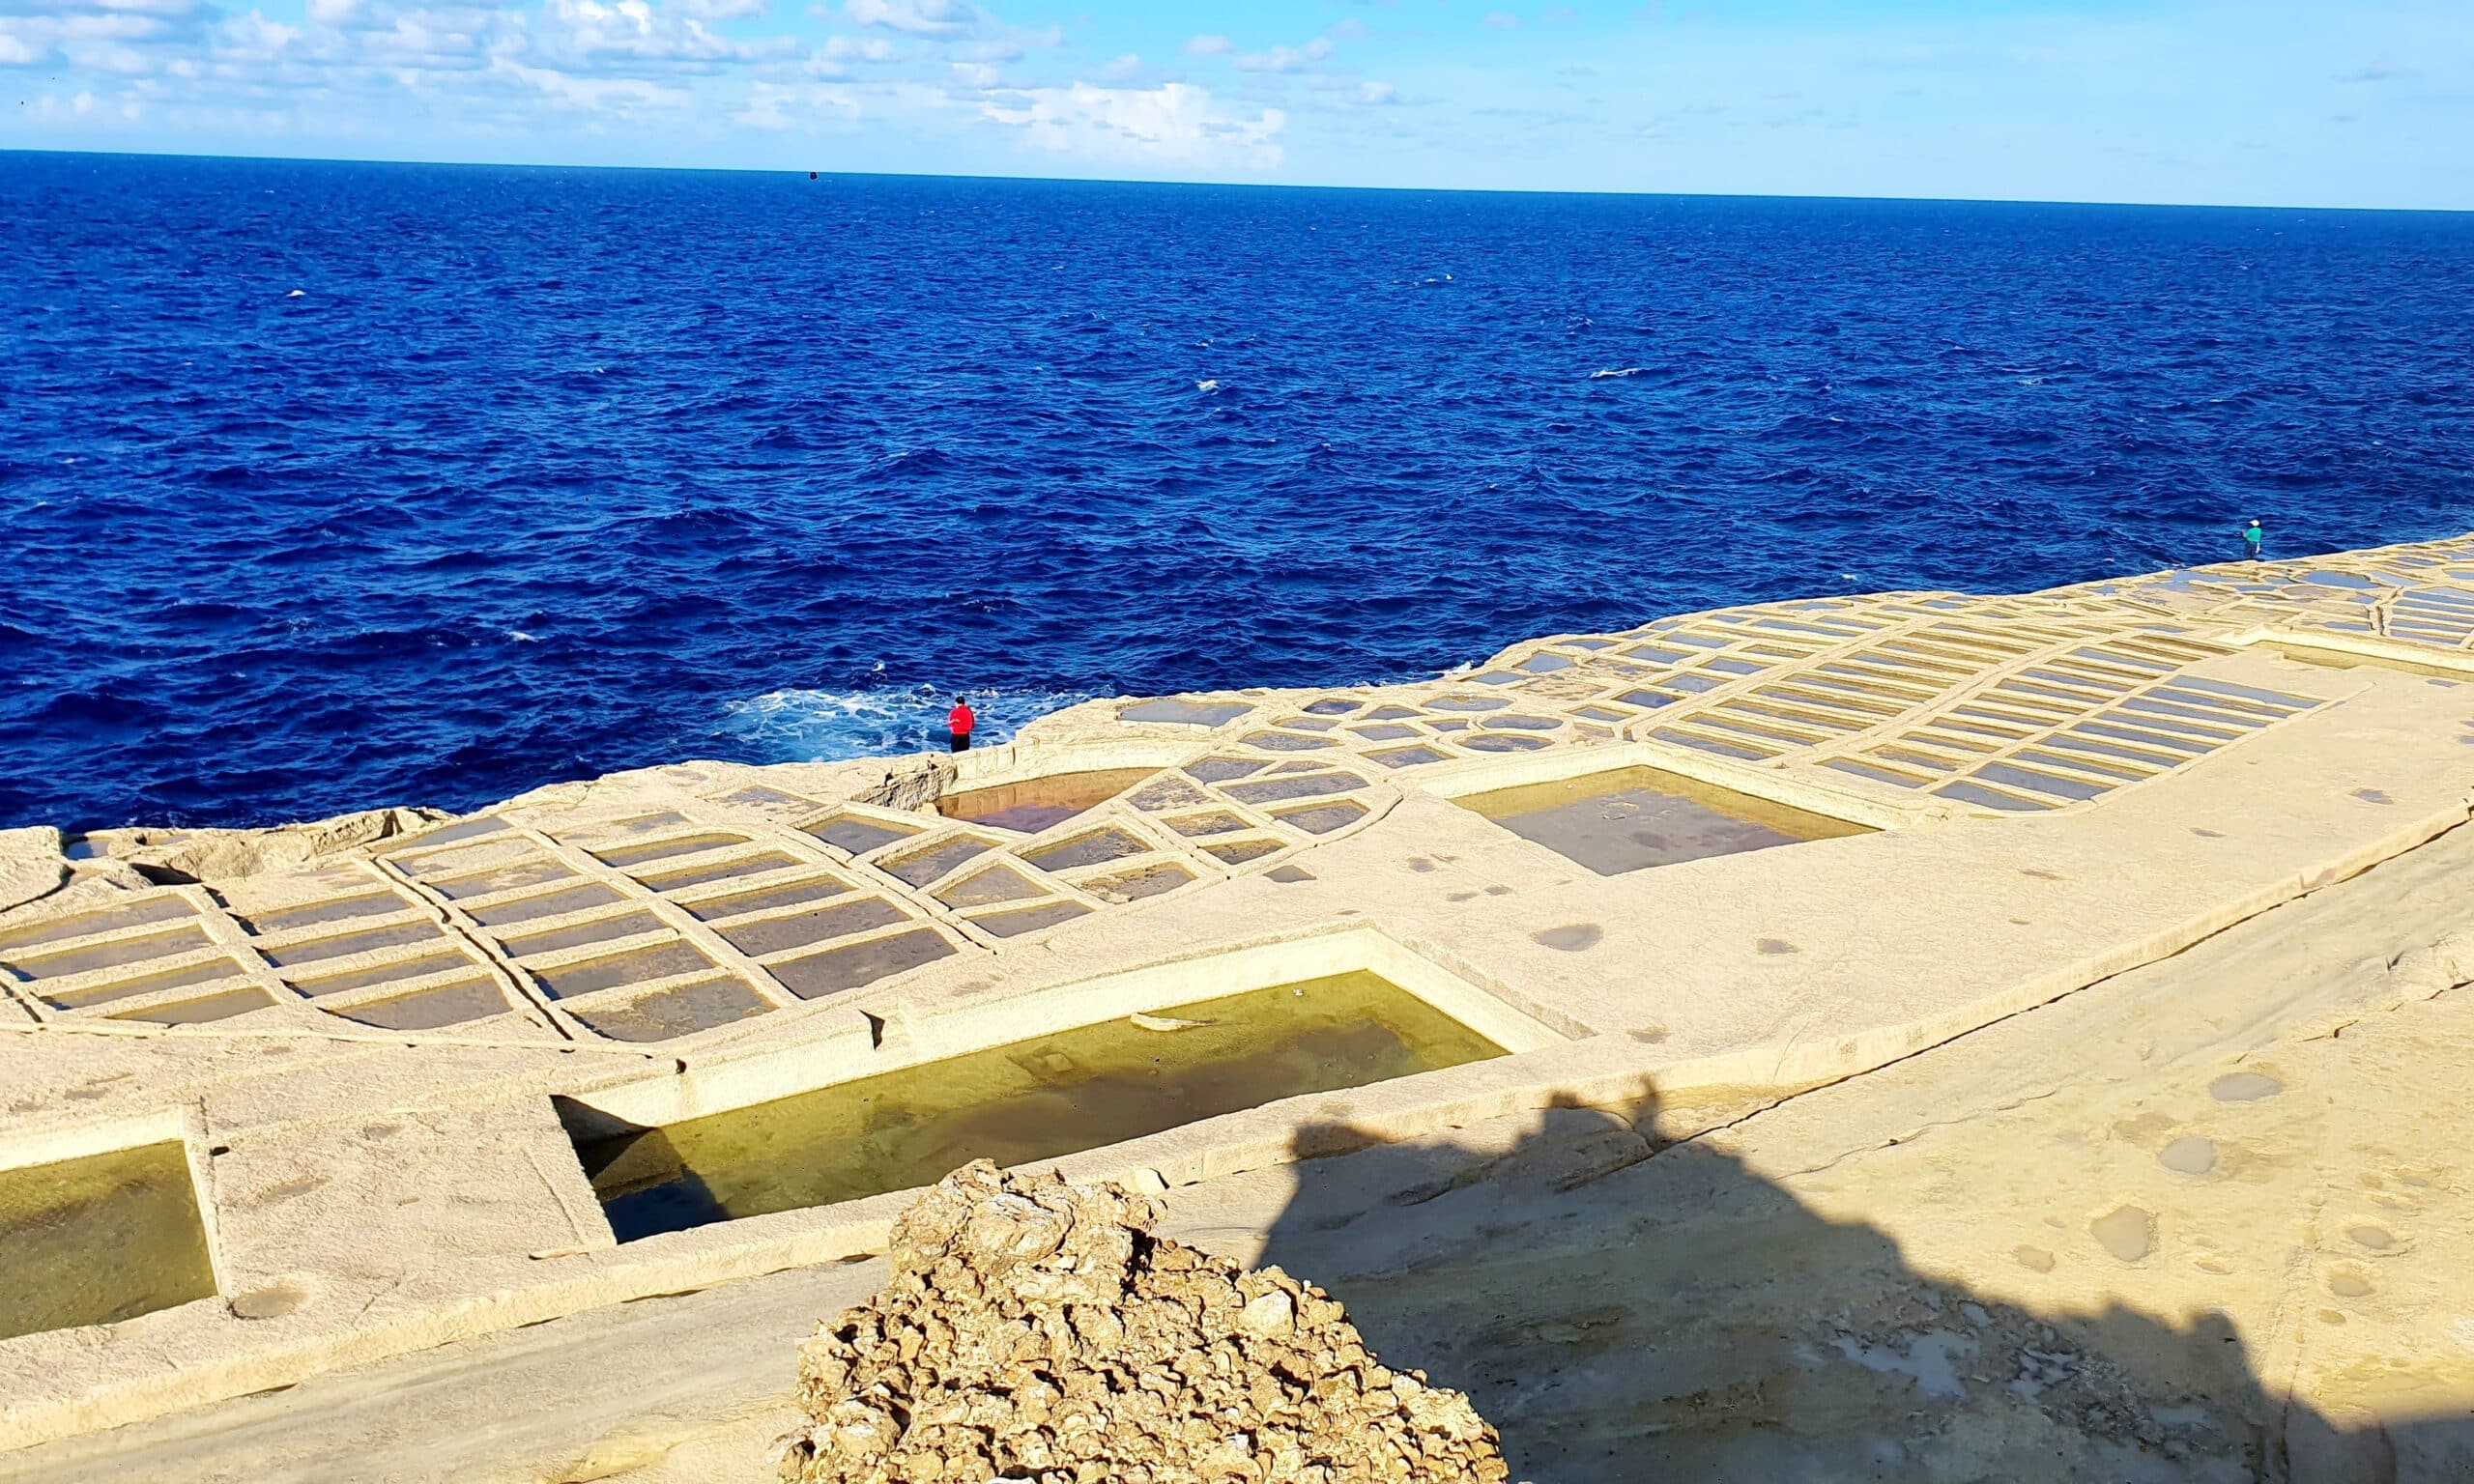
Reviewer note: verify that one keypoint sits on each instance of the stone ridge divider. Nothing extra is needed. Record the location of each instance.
(634, 897)
(465, 930)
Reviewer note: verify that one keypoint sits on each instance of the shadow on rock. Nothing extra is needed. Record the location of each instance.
(1622, 1310)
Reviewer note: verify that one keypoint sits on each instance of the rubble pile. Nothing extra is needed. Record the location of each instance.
(1034, 1329)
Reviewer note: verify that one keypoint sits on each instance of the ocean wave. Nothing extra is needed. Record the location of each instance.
(820, 725)
(1600, 376)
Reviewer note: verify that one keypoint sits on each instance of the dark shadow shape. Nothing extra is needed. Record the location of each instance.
(1622, 1311)
(661, 1194)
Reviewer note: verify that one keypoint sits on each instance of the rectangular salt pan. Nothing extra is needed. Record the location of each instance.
(1634, 818)
(1036, 803)
(780, 935)
(430, 1010)
(206, 973)
(323, 949)
(336, 909)
(641, 966)
(1032, 1100)
(153, 909)
(109, 955)
(98, 1240)
(200, 1011)
(679, 1012)
(859, 964)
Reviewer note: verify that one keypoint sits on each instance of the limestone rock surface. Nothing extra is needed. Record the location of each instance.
(224, 855)
(31, 866)
(1035, 1330)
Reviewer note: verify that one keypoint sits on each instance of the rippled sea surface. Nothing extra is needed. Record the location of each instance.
(327, 486)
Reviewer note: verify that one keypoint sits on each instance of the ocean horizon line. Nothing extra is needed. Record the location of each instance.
(822, 174)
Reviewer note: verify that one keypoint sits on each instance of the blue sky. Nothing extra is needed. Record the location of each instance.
(2265, 101)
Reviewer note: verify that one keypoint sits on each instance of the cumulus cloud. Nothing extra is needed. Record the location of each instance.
(1287, 59)
(1376, 94)
(1210, 46)
(841, 53)
(1175, 123)
(918, 17)
(583, 33)
(785, 106)
(105, 35)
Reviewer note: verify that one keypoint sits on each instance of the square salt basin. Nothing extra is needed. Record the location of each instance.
(1629, 820)
(1016, 1103)
(98, 1240)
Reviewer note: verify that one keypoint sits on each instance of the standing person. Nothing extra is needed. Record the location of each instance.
(959, 721)
(2250, 539)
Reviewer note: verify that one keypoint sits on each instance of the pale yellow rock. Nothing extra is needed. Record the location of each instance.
(31, 864)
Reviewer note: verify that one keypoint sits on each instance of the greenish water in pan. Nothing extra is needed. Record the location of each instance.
(98, 1239)
(1022, 1102)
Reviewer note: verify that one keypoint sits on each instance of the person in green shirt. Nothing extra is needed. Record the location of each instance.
(2250, 539)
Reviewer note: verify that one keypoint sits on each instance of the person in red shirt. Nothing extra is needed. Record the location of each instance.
(959, 721)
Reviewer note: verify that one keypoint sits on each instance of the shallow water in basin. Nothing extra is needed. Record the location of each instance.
(98, 1239)
(1633, 818)
(1033, 805)
(1030, 1100)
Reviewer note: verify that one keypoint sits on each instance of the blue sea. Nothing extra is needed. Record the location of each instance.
(326, 486)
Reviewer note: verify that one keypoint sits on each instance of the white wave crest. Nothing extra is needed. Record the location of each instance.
(1600, 375)
(1206, 386)
(817, 726)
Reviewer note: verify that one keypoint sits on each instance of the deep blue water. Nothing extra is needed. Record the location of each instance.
(541, 473)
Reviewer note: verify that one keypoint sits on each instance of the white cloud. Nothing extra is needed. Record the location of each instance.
(1174, 123)
(1210, 46)
(721, 10)
(1376, 94)
(918, 17)
(840, 53)
(596, 95)
(102, 35)
(1287, 59)
(780, 107)
(253, 35)
(586, 34)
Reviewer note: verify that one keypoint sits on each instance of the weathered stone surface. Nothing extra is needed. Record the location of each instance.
(917, 787)
(1035, 1330)
(31, 866)
(223, 855)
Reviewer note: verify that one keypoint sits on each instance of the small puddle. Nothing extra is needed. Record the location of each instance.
(98, 1239)
(1633, 818)
(1033, 805)
(1030, 1100)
